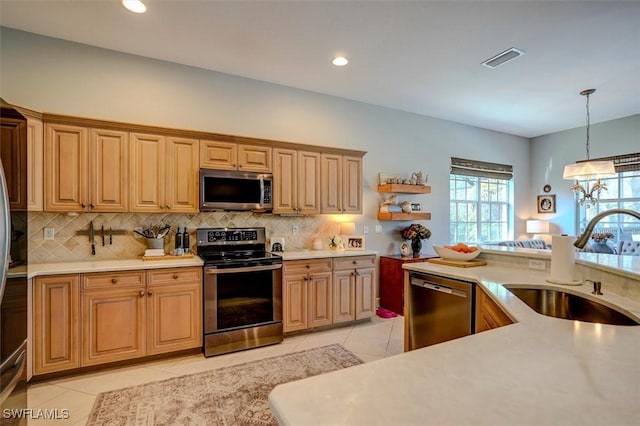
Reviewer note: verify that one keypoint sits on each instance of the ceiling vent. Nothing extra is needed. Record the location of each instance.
(503, 57)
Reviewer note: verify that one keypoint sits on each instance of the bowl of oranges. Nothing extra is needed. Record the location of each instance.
(460, 251)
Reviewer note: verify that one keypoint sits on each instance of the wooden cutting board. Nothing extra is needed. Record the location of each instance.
(458, 263)
(168, 257)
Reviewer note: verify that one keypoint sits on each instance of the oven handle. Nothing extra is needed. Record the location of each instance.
(214, 271)
(12, 369)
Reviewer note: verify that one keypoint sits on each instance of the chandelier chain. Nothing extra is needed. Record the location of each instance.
(588, 125)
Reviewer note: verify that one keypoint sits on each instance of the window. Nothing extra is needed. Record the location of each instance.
(623, 192)
(481, 201)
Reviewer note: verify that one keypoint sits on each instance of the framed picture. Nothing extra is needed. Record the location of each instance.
(355, 242)
(546, 203)
(416, 207)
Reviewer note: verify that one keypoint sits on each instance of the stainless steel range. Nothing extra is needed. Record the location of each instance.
(242, 290)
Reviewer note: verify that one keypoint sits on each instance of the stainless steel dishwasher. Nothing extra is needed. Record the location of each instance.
(439, 309)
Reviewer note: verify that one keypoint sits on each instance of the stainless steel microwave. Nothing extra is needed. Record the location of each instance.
(235, 190)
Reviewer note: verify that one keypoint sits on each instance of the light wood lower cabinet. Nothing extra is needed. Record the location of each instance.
(354, 281)
(307, 298)
(91, 319)
(174, 309)
(488, 314)
(56, 323)
(327, 291)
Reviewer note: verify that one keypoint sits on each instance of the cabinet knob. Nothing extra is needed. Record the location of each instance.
(354, 262)
(175, 276)
(307, 266)
(168, 207)
(83, 205)
(91, 205)
(141, 294)
(150, 293)
(114, 280)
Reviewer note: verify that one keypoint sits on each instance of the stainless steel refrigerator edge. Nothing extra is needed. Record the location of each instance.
(13, 281)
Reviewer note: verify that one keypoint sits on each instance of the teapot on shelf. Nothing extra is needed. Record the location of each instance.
(421, 179)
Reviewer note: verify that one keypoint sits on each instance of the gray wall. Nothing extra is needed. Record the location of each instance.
(55, 76)
(550, 153)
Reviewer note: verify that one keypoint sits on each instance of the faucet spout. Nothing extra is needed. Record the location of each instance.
(582, 239)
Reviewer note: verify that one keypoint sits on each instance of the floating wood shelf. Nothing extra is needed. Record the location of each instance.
(407, 189)
(404, 216)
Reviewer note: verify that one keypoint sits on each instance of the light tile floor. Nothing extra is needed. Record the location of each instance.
(370, 341)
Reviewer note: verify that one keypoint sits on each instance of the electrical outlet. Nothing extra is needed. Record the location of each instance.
(294, 229)
(378, 229)
(49, 234)
(365, 229)
(537, 264)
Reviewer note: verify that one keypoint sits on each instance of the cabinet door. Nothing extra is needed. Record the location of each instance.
(174, 309)
(254, 158)
(147, 173)
(488, 314)
(352, 184)
(65, 168)
(113, 325)
(56, 323)
(365, 293)
(320, 299)
(13, 151)
(35, 164)
(294, 302)
(174, 317)
(285, 182)
(343, 296)
(308, 182)
(181, 183)
(218, 155)
(331, 178)
(109, 171)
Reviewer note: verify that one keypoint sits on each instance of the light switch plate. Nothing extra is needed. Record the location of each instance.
(537, 264)
(49, 234)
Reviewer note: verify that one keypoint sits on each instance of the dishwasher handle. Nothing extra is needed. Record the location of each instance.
(438, 287)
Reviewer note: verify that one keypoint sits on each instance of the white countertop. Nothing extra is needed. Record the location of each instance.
(540, 370)
(39, 269)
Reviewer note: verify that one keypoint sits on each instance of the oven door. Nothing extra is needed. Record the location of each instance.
(242, 297)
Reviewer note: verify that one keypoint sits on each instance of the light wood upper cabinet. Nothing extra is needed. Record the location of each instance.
(296, 178)
(109, 174)
(222, 155)
(56, 324)
(35, 164)
(13, 153)
(164, 174)
(181, 183)
(85, 169)
(341, 178)
(147, 172)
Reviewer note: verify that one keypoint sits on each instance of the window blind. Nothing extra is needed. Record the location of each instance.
(622, 163)
(461, 166)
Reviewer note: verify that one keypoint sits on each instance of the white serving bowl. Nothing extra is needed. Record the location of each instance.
(449, 254)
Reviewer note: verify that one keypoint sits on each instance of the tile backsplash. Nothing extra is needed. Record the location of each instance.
(68, 246)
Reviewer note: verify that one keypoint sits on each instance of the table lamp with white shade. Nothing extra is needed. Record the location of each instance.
(539, 229)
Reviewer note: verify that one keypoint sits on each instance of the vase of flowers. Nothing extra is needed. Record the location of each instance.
(600, 242)
(415, 233)
(335, 243)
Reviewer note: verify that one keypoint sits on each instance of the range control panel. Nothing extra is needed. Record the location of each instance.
(214, 236)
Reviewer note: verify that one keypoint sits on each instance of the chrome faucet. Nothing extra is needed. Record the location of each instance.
(582, 239)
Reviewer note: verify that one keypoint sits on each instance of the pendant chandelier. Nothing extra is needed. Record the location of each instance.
(587, 170)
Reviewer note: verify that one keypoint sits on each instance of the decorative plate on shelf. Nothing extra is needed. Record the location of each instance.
(405, 249)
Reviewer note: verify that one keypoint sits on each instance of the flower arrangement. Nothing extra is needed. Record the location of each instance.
(415, 231)
(601, 236)
(335, 242)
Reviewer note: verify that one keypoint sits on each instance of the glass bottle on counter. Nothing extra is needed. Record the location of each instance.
(178, 242)
(185, 241)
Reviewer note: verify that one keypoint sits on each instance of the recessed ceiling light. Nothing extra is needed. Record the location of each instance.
(135, 6)
(340, 61)
(503, 57)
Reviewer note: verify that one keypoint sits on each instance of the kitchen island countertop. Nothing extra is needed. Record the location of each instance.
(539, 370)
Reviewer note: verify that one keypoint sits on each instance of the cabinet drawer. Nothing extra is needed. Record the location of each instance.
(354, 262)
(174, 276)
(113, 280)
(306, 265)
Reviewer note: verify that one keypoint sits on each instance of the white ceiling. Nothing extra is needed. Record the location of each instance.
(420, 56)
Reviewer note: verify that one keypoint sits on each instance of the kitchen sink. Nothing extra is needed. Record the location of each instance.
(560, 304)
